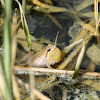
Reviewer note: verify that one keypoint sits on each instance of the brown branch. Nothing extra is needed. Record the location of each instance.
(22, 70)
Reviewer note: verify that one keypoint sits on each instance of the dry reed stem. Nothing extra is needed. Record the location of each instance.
(96, 13)
(64, 97)
(32, 86)
(79, 14)
(89, 27)
(22, 70)
(15, 88)
(99, 22)
(15, 25)
(22, 84)
(2, 3)
(40, 95)
(40, 4)
(54, 20)
(96, 20)
(88, 14)
(14, 48)
(16, 28)
(15, 85)
(84, 4)
(68, 48)
(36, 93)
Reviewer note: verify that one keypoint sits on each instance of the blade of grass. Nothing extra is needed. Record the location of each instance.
(25, 27)
(79, 60)
(3, 84)
(7, 44)
(24, 5)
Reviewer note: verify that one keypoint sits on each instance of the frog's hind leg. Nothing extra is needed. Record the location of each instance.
(26, 56)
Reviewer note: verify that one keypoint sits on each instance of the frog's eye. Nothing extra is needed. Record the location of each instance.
(48, 50)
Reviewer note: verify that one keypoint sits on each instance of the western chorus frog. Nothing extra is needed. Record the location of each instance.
(46, 57)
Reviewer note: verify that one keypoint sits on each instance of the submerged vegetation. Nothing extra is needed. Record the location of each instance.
(77, 71)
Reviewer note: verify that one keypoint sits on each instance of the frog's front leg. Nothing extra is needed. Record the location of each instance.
(48, 65)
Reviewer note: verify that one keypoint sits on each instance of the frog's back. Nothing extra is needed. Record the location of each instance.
(38, 62)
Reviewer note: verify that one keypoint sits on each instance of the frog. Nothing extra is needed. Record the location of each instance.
(48, 56)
